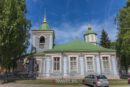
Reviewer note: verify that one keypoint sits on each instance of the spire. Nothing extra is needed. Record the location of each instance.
(89, 25)
(44, 20)
(44, 25)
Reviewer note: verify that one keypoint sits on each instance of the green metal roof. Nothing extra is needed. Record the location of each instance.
(79, 46)
(44, 25)
(39, 54)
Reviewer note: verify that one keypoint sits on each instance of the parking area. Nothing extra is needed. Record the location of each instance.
(41, 85)
(34, 85)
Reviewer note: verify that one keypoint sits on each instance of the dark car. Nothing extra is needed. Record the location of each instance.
(96, 80)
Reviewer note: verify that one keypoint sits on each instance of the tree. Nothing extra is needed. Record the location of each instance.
(113, 45)
(14, 32)
(123, 39)
(105, 42)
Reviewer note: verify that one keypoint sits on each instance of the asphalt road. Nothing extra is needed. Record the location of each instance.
(32, 85)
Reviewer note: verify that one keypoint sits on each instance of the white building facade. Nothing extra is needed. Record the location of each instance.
(72, 60)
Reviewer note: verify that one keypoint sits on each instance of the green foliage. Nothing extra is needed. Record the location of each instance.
(113, 45)
(105, 42)
(14, 31)
(123, 39)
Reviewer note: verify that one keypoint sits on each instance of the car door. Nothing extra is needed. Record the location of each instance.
(92, 79)
(85, 80)
(88, 80)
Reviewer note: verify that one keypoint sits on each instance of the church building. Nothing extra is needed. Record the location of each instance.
(74, 59)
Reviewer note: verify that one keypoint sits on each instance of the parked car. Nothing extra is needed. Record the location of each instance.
(96, 80)
(129, 80)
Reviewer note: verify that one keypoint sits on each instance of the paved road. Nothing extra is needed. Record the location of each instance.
(32, 85)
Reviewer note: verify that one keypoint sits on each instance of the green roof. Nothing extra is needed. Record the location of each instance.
(79, 46)
(44, 25)
(38, 54)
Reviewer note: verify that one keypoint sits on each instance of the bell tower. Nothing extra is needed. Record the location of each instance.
(42, 38)
(90, 36)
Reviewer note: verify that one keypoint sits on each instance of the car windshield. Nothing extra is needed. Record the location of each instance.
(101, 77)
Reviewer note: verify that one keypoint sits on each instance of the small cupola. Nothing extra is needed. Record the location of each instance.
(44, 25)
(90, 36)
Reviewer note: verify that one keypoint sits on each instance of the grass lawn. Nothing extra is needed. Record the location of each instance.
(48, 82)
(79, 82)
(118, 82)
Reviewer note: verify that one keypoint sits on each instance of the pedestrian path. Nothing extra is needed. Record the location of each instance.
(41, 85)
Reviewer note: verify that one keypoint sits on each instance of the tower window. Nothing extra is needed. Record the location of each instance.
(42, 42)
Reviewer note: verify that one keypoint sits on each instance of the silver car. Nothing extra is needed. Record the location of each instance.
(96, 81)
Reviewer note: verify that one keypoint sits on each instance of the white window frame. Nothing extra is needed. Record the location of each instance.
(76, 62)
(53, 64)
(86, 66)
(108, 61)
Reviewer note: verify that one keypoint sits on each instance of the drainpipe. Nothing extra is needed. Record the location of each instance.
(100, 61)
(62, 61)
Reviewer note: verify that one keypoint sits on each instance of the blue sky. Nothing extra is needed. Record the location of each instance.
(70, 18)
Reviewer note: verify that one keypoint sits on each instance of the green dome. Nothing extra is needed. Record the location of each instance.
(44, 25)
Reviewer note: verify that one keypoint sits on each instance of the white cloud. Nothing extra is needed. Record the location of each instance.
(67, 32)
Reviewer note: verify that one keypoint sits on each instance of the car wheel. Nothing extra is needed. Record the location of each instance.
(94, 85)
(84, 82)
(128, 82)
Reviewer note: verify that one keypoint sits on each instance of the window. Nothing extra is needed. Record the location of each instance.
(106, 66)
(73, 64)
(101, 77)
(38, 66)
(56, 63)
(92, 37)
(41, 42)
(90, 67)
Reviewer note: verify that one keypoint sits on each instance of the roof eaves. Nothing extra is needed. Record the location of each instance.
(54, 51)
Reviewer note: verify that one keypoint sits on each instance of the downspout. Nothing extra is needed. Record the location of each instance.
(62, 61)
(100, 62)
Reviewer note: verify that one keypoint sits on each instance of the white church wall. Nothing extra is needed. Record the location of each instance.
(48, 67)
(65, 63)
(115, 68)
(65, 71)
(98, 65)
(51, 42)
(33, 40)
(81, 62)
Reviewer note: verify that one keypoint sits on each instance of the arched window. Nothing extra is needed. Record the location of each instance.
(42, 39)
(42, 42)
